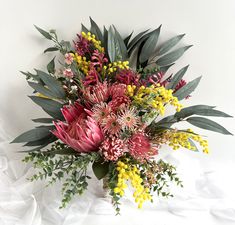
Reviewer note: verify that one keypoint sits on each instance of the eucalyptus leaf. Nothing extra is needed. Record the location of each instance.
(84, 29)
(168, 45)
(44, 33)
(164, 69)
(171, 57)
(47, 140)
(127, 39)
(193, 144)
(51, 107)
(120, 44)
(51, 49)
(96, 30)
(53, 84)
(111, 45)
(32, 135)
(43, 120)
(191, 110)
(136, 39)
(177, 77)
(212, 112)
(187, 89)
(41, 89)
(149, 46)
(207, 124)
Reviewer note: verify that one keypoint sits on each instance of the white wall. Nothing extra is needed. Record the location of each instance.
(209, 26)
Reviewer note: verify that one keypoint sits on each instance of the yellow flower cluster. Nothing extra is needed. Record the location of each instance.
(82, 63)
(128, 172)
(92, 38)
(181, 139)
(112, 67)
(154, 96)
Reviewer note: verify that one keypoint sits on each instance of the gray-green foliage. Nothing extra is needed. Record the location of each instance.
(58, 165)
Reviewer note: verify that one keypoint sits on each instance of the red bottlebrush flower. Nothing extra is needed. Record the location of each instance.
(140, 147)
(181, 83)
(128, 118)
(158, 79)
(111, 125)
(98, 59)
(82, 46)
(127, 77)
(92, 77)
(80, 131)
(97, 94)
(112, 148)
(101, 112)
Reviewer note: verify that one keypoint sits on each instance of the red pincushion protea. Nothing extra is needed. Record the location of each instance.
(97, 93)
(80, 131)
(140, 147)
(112, 148)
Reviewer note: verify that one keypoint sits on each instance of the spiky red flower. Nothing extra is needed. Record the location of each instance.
(112, 148)
(181, 83)
(97, 93)
(140, 147)
(80, 131)
(82, 45)
(127, 77)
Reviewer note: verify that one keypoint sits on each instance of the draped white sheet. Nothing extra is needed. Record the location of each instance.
(208, 197)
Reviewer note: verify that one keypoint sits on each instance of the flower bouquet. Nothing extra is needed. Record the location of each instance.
(106, 100)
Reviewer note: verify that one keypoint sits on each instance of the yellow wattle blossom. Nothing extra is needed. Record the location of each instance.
(177, 139)
(82, 62)
(92, 38)
(112, 67)
(154, 96)
(129, 172)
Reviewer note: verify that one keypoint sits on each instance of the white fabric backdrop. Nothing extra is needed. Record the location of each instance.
(208, 196)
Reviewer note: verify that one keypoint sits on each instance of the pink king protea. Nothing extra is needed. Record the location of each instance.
(80, 131)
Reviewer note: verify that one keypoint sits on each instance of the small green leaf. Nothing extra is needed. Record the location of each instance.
(177, 77)
(207, 124)
(51, 49)
(111, 45)
(44, 33)
(168, 45)
(172, 56)
(100, 169)
(53, 84)
(187, 89)
(51, 66)
(32, 135)
(149, 46)
(193, 144)
(51, 107)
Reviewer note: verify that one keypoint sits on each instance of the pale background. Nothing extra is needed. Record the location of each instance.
(209, 25)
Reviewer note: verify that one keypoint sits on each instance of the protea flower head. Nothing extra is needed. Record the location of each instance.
(80, 131)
